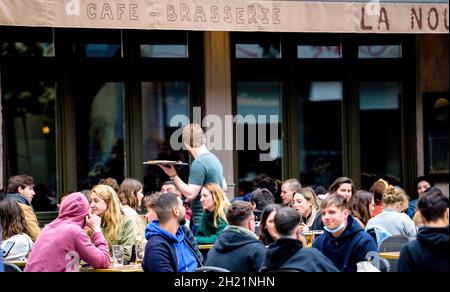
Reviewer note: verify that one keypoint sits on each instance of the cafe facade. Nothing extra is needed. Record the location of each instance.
(91, 89)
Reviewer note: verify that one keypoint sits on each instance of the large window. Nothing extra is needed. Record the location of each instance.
(346, 102)
(380, 131)
(320, 131)
(29, 111)
(160, 103)
(258, 138)
(99, 131)
(80, 105)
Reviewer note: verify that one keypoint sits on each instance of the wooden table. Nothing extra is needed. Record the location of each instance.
(205, 246)
(121, 269)
(395, 255)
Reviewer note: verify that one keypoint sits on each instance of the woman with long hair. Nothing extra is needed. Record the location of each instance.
(267, 231)
(305, 202)
(116, 226)
(130, 195)
(343, 186)
(14, 231)
(362, 205)
(214, 203)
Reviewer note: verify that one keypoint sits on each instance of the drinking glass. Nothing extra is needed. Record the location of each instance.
(117, 253)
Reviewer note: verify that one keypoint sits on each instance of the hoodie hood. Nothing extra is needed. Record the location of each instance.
(435, 238)
(233, 238)
(280, 251)
(74, 209)
(154, 229)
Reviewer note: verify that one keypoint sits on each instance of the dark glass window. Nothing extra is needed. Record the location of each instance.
(380, 52)
(29, 136)
(99, 132)
(161, 101)
(169, 44)
(380, 131)
(320, 132)
(258, 151)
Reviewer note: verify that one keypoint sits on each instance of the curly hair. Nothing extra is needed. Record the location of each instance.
(393, 195)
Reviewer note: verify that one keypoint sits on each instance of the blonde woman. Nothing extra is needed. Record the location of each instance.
(214, 203)
(305, 202)
(116, 226)
(130, 195)
(392, 218)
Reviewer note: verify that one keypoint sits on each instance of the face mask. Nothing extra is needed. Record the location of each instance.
(335, 230)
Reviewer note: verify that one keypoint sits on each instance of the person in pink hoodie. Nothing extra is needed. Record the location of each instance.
(64, 242)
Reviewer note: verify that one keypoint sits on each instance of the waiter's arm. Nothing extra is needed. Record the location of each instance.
(190, 191)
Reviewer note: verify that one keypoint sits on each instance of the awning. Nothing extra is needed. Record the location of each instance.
(397, 16)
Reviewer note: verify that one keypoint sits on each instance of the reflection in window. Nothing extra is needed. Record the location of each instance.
(102, 50)
(26, 49)
(379, 52)
(256, 102)
(319, 52)
(320, 132)
(160, 103)
(100, 132)
(436, 112)
(30, 146)
(164, 44)
(164, 51)
(380, 132)
(258, 51)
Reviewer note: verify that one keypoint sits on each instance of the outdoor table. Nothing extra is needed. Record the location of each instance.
(121, 269)
(394, 255)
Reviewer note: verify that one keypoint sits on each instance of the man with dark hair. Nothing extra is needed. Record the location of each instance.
(238, 249)
(169, 248)
(261, 197)
(20, 189)
(344, 242)
(288, 253)
(170, 187)
(429, 252)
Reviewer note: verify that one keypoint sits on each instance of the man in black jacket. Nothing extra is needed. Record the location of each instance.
(238, 249)
(287, 252)
(429, 252)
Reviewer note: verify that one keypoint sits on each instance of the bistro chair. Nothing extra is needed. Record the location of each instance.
(211, 269)
(393, 244)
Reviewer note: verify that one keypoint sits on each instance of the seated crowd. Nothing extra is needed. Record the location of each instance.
(307, 231)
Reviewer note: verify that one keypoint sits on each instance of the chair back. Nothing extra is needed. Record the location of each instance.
(11, 268)
(211, 269)
(393, 243)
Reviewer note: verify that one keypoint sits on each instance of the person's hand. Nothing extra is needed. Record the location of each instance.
(169, 170)
(94, 221)
(303, 227)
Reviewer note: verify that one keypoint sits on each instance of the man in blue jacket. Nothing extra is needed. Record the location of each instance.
(238, 249)
(344, 242)
(288, 253)
(168, 248)
(430, 251)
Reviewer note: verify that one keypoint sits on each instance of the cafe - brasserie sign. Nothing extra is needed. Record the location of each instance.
(231, 15)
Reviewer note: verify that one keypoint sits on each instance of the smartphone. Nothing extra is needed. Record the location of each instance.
(7, 248)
